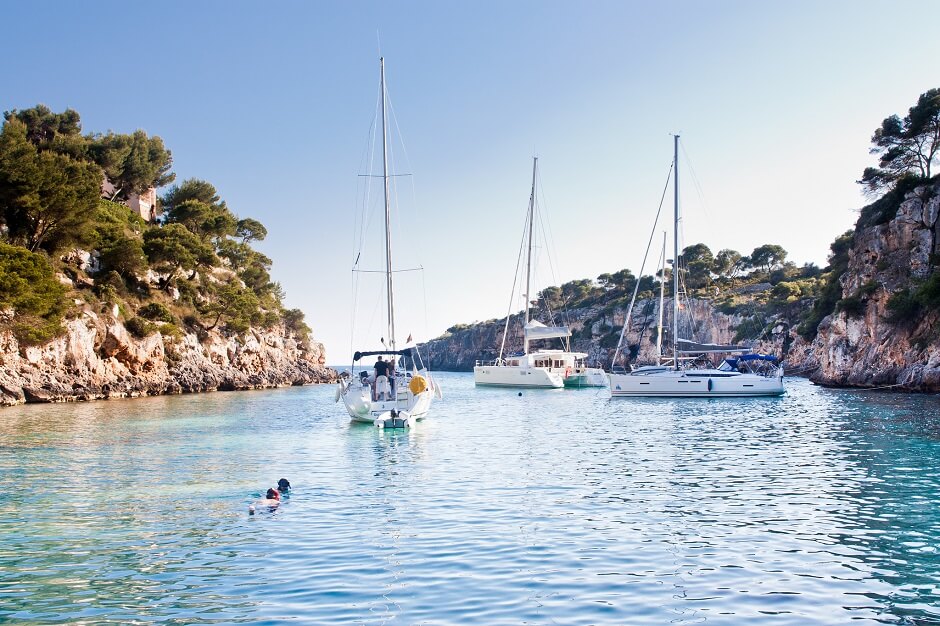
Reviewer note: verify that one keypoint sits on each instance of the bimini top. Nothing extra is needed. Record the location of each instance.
(538, 330)
(358, 355)
(751, 357)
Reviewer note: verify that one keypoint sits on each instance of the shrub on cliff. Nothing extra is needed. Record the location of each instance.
(29, 288)
(156, 311)
(140, 327)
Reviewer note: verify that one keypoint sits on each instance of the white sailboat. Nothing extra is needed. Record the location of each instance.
(744, 375)
(541, 368)
(404, 394)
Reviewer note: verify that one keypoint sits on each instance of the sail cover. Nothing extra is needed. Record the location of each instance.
(693, 347)
(538, 330)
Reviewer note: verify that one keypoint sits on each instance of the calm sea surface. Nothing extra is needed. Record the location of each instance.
(556, 507)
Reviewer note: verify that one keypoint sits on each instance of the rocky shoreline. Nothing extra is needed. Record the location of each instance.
(97, 358)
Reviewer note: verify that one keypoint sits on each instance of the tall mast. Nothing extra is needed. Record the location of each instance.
(675, 259)
(662, 298)
(528, 265)
(388, 218)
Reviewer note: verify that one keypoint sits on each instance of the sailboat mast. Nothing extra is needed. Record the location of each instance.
(675, 259)
(662, 298)
(388, 218)
(528, 265)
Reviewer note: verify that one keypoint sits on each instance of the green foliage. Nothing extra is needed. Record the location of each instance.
(60, 132)
(133, 163)
(699, 263)
(47, 199)
(855, 304)
(118, 240)
(196, 205)
(786, 292)
(768, 256)
(885, 208)
(140, 327)
(831, 291)
(29, 288)
(157, 312)
(852, 306)
(905, 147)
(750, 328)
(294, 321)
(173, 248)
(250, 230)
(903, 306)
(233, 303)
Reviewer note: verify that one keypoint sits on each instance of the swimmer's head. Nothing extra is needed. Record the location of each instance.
(273, 494)
(283, 485)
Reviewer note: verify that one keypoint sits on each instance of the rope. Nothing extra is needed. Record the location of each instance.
(512, 294)
(636, 288)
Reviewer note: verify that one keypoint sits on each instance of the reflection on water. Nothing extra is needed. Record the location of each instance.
(552, 506)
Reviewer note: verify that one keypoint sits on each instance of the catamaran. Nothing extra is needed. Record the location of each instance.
(391, 396)
(539, 368)
(746, 374)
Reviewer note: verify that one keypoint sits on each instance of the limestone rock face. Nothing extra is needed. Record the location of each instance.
(97, 358)
(871, 349)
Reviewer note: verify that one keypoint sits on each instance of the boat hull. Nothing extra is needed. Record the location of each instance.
(590, 377)
(362, 408)
(518, 376)
(672, 384)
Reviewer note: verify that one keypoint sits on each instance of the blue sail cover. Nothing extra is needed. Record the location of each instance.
(758, 357)
(732, 362)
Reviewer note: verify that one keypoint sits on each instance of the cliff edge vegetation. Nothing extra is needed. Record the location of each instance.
(91, 258)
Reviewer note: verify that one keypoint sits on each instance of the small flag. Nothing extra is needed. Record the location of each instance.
(382, 339)
(408, 340)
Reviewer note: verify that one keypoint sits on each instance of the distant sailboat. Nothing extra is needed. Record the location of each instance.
(541, 368)
(744, 375)
(400, 397)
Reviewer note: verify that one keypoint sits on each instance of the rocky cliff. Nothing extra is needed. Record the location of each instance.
(97, 358)
(888, 333)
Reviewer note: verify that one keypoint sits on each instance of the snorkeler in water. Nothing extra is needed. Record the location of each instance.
(271, 500)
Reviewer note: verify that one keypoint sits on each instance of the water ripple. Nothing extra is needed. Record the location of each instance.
(551, 507)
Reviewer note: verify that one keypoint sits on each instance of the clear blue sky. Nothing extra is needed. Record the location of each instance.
(272, 103)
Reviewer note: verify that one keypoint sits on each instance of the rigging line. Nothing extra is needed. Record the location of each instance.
(512, 294)
(424, 290)
(636, 287)
(698, 189)
(549, 237)
(361, 200)
(404, 149)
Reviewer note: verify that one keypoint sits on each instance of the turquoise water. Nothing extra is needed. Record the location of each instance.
(554, 507)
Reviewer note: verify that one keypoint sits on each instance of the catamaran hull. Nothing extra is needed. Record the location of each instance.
(514, 376)
(588, 378)
(680, 386)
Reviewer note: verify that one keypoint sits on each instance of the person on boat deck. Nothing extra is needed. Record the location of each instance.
(381, 379)
(391, 376)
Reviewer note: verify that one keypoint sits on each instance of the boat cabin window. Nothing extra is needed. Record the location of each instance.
(543, 363)
(514, 363)
(559, 363)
